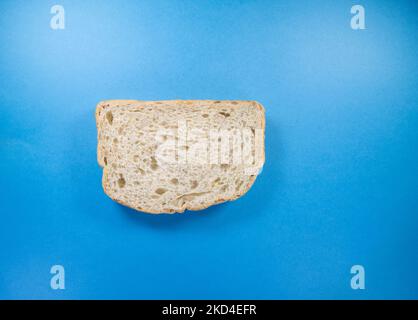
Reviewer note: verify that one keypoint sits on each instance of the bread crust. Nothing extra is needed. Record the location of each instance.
(107, 104)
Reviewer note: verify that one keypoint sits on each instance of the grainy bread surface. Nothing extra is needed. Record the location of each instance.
(170, 156)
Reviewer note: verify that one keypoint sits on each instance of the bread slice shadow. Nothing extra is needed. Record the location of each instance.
(175, 220)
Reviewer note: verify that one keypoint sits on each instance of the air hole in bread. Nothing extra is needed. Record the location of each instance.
(215, 182)
(154, 164)
(205, 115)
(194, 184)
(174, 181)
(139, 170)
(121, 182)
(181, 202)
(109, 117)
(160, 191)
(105, 161)
(225, 114)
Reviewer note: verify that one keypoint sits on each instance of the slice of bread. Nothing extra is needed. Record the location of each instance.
(169, 156)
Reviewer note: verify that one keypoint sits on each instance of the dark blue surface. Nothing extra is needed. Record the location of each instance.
(340, 183)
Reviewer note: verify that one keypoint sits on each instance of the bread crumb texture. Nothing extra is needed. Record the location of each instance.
(177, 155)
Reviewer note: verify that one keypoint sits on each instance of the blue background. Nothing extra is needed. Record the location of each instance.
(340, 183)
